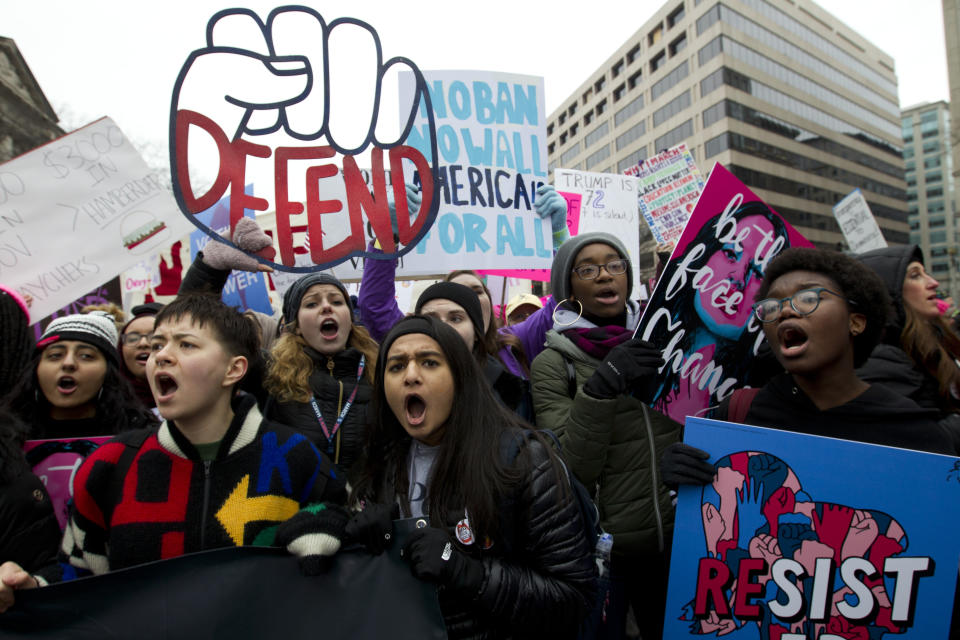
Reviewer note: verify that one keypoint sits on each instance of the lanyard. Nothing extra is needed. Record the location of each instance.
(346, 407)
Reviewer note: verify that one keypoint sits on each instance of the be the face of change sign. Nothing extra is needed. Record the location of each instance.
(76, 212)
(701, 312)
(802, 537)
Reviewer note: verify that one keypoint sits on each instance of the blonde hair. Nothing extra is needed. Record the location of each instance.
(288, 376)
(110, 307)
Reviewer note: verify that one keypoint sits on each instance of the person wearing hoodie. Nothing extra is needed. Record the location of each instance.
(917, 356)
(590, 387)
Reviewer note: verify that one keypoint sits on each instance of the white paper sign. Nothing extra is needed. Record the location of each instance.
(76, 212)
(857, 223)
(608, 203)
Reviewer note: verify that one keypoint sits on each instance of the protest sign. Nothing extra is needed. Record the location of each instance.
(76, 212)
(246, 592)
(857, 223)
(669, 185)
(802, 537)
(107, 292)
(491, 131)
(284, 101)
(55, 462)
(608, 202)
(243, 289)
(701, 312)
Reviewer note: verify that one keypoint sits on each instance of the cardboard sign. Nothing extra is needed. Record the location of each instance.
(801, 537)
(670, 184)
(55, 462)
(857, 223)
(608, 202)
(296, 99)
(244, 289)
(76, 212)
(701, 313)
(491, 130)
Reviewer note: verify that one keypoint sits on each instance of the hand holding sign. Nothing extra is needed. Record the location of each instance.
(311, 81)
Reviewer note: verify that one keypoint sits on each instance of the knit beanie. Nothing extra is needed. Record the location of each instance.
(567, 253)
(96, 328)
(410, 324)
(461, 295)
(294, 295)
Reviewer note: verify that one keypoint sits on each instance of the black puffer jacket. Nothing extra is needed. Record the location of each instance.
(332, 387)
(539, 574)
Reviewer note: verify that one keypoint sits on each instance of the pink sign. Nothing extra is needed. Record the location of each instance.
(701, 312)
(56, 462)
(543, 275)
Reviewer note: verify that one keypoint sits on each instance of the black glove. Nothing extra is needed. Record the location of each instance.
(683, 464)
(313, 534)
(630, 367)
(373, 527)
(434, 557)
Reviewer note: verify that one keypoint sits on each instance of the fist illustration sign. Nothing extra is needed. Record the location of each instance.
(291, 95)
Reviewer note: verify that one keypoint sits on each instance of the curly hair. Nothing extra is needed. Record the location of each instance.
(858, 283)
(288, 376)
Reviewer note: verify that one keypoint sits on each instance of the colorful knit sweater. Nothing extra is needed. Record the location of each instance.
(146, 495)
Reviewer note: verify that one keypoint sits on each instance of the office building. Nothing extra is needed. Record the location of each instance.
(795, 103)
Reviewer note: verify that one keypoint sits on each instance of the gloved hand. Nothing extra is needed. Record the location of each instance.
(414, 201)
(248, 236)
(551, 204)
(434, 557)
(373, 527)
(682, 464)
(630, 367)
(313, 534)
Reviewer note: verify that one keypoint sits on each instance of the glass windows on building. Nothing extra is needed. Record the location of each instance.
(627, 138)
(596, 135)
(598, 156)
(674, 137)
(670, 80)
(671, 109)
(632, 160)
(569, 155)
(624, 114)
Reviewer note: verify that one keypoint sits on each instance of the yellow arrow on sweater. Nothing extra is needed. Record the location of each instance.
(239, 509)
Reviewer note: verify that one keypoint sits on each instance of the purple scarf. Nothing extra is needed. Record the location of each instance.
(597, 341)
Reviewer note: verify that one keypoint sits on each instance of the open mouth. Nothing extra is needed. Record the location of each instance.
(166, 385)
(329, 328)
(793, 340)
(142, 358)
(66, 385)
(607, 296)
(415, 408)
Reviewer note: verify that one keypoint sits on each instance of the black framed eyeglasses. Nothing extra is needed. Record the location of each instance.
(133, 338)
(804, 302)
(591, 271)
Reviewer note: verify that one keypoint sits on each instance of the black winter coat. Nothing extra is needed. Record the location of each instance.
(331, 388)
(539, 573)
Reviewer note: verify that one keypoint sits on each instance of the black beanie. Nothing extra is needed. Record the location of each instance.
(294, 295)
(463, 296)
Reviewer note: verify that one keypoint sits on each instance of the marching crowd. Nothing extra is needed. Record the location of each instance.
(352, 414)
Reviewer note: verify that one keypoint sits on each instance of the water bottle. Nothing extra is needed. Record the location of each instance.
(602, 553)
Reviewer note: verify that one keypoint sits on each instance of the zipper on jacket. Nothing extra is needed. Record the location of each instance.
(330, 365)
(653, 476)
(206, 504)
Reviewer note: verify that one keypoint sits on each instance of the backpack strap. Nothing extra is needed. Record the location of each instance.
(740, 403)
(571, 376)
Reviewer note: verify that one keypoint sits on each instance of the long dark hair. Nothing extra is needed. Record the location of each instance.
(738, 353)
(935, 348)
(117, 405)
(469, 471)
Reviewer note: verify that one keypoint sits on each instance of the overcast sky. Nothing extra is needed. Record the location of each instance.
(120, 58)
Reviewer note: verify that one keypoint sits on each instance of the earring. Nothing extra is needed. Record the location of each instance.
(567, 324)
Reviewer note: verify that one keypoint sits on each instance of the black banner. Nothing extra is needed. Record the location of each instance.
(250, 592)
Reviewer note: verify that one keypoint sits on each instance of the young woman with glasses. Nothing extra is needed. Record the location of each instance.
(590, 385)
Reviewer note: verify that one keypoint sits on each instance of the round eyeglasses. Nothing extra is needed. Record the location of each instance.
(804, 302)
(133, 338)
(591, 271)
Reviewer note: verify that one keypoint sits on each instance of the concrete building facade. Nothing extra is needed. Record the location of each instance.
(928, 158)
(26, 118)
(795, 103)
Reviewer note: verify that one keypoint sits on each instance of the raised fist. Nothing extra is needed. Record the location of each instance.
(274, 94)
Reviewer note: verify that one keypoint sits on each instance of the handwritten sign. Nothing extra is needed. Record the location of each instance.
(76, 212)
(608, 202)
(670, 184)
(285, 99)
(701, 313)
(802, 537)
(491, 132)
(857, 223)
